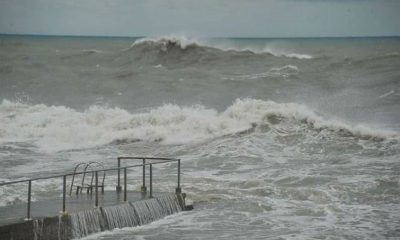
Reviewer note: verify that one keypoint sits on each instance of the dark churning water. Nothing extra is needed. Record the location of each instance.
(279, 138)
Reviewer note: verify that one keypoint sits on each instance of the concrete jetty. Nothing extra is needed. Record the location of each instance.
(79, 214)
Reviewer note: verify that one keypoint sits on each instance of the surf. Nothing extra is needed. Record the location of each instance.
(185, 44)
(59, 128)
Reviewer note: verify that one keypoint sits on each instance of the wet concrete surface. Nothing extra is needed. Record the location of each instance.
(74, 203)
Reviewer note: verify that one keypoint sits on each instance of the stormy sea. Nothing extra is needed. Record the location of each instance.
(279, 138)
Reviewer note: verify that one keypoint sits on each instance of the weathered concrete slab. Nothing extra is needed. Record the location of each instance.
(83, 219)
(52, 207)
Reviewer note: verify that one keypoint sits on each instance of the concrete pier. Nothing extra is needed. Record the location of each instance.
(82, 218)
(88, 208)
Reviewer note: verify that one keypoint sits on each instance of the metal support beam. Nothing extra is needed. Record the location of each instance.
(28, 214)
(125, 186)
(119, 176)
(64, 193)
(97, 189)
(178, 188)
(144, 189)
(151, 180)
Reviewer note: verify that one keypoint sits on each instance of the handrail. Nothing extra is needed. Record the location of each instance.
(71, 173)
(100, 167)
(144, 189)
(73, 177)
(84, 175)
(90, 164)
(95, 172)
(151, 158)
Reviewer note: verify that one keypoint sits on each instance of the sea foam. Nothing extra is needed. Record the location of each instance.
(57, 128)
(183, 42)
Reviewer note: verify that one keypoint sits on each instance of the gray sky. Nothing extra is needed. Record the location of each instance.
(203, 18)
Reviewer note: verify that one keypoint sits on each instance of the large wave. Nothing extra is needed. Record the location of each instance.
(174, 43)
(57, 128)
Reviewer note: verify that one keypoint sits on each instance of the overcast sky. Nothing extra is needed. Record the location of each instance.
(204, 18)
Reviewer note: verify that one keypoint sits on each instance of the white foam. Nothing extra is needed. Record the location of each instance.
(91, 51)
(183, 42)
(180, 40)
(57, 128)
(282, 53)
(387, 94)
(286, 68)
(159, 66)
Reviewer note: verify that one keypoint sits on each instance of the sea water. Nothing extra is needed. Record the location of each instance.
(279, 138)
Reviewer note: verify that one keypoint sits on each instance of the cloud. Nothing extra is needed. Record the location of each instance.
(253, 18)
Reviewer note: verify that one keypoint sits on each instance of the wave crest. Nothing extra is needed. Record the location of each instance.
(56, 128)
(166, 44)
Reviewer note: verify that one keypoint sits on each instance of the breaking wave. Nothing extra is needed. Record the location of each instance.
(58, 128)
(173, 43)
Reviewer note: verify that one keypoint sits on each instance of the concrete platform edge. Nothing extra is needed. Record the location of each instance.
(52, 227)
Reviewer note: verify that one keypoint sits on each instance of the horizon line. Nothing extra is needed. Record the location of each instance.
(215, 37)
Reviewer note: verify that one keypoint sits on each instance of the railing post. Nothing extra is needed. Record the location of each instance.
(151, 180)
(28, 214)
(64, 193)
(178, 188)
(125, 186)
(119, 176)
(97, 189)
(144, 189)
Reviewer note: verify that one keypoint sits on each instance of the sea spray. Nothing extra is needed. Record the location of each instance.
(56, 128)
(168, 43)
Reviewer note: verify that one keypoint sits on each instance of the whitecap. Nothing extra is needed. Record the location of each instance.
(57, 128)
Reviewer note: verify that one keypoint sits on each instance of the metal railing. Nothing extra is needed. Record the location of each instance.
(89, 187)
(151, 159)
(95, 172)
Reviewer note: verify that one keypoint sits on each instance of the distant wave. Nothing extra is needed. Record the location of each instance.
(280, 53)
(167, 43)
(57, 128)
(366, 61)
(284, 71)
(89, 51)
(82, 53)
(393, 54)
(386, 56)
